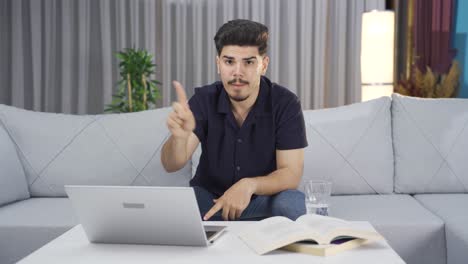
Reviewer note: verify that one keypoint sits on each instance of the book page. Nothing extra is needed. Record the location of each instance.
(325, 250)
(274, 232)
(322, 224)
(330, 228)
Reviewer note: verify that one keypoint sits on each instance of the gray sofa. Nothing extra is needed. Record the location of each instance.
(399, 163)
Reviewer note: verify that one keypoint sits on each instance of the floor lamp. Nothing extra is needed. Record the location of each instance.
(377, 54)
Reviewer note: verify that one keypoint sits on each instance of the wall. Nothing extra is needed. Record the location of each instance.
(461, 44)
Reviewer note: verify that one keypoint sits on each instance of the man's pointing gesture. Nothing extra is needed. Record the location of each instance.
(182, 143)
(180, 122)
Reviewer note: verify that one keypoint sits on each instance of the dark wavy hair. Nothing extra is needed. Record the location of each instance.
(241, 32)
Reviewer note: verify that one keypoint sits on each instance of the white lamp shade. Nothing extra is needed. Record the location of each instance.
(377, 53)
(370, 92)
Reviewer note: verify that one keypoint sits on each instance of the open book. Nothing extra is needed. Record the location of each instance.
(310, 233)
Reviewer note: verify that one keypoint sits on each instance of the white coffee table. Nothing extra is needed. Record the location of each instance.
(74, 247)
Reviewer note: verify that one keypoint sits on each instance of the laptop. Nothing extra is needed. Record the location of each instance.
(141, 215)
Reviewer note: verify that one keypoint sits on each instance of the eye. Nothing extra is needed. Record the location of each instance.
(229, 61)
(249, 62)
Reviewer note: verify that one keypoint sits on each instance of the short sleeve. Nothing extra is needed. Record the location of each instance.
(200, 117)
(290, 130)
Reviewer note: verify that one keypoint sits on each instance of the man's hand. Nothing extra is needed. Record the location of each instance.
(181, 121)
(234, 200)
(180, 146)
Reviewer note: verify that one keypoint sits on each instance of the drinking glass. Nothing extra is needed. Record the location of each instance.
(317, 193)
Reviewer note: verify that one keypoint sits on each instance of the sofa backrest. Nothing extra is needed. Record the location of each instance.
(13, 186)
(113, 149)
(430, 138)
(351, 146)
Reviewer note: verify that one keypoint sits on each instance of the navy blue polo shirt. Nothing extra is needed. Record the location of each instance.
(230, 152)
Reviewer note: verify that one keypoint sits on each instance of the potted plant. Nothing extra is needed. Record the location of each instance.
(136, 92)
(430, 84)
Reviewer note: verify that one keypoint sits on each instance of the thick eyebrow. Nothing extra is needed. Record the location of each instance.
(245, 59)
(250, 58)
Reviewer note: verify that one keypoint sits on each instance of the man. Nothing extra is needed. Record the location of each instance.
(251, 131)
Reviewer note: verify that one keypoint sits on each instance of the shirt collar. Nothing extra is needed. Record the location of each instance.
(261, 106)
(224, 105)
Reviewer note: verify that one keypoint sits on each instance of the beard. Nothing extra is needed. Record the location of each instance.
(238, 98)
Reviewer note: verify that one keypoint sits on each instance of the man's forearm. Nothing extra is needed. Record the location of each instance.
(277, 181)
(174, 154)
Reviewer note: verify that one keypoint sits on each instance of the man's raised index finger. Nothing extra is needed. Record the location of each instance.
(181, 96)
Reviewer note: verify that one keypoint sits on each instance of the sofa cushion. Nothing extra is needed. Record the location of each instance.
(430, 139)
(27, 225)
(113, 149)
(452, 208)
(13, 186)
(412, 231)
(351, 146)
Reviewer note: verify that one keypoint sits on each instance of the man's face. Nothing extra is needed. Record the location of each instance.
(240, 69)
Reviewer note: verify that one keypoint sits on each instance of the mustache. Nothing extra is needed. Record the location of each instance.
(237, 80)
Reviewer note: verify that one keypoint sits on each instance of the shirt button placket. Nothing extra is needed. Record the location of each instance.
(237, 155)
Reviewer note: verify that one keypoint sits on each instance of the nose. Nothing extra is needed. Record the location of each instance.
(238, 70)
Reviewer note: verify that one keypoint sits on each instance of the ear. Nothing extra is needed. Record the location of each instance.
(265, 62)
(217, 63)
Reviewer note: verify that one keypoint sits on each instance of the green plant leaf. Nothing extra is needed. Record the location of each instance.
(134, 63)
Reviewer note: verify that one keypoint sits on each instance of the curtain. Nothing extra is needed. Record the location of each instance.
(433, 28)
(314, 46)
(58, 55)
